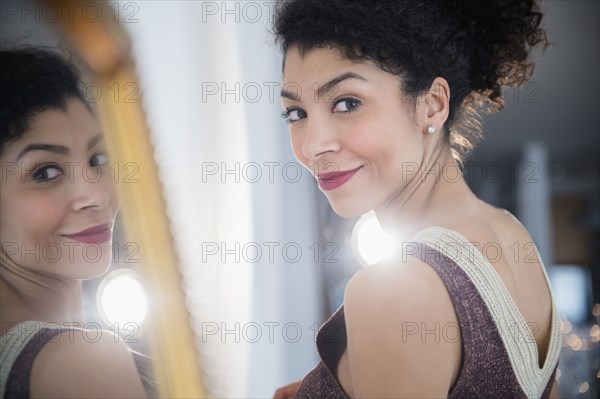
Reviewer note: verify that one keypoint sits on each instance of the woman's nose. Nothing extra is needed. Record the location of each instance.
(320, 138)
(90, 189)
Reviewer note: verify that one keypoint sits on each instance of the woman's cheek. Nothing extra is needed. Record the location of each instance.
(297, 144)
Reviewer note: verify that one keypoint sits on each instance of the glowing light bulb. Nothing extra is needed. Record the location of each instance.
(369, 242)
(122, 299)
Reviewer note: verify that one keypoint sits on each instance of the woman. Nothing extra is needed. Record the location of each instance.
(57, 210)
(382, 101)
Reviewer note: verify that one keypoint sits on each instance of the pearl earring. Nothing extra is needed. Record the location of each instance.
(431, 129)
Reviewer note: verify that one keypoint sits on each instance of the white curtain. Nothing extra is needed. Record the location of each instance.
(242, 211)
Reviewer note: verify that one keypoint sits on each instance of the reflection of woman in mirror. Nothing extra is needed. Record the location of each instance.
(57, 210)
(381, 99)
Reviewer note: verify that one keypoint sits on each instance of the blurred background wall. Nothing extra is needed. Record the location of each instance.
(264, 259)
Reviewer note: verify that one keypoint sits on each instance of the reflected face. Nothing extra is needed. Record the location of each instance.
(351, 127)
(57, 203)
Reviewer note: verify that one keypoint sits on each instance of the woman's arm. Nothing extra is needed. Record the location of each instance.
(398, 319)
(288, 391)
(554, 391)
(85, 365)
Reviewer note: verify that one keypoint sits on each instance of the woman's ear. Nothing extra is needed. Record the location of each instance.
(437, 104)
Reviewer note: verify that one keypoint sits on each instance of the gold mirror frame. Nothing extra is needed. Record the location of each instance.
(105, 47)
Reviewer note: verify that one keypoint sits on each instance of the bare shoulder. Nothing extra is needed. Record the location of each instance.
(399, 291)
(398, 281)
(80, 364)
(405, 308)
(506, 226)
(510, 225)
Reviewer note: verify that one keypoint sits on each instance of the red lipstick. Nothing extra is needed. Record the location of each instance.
(332, 180)
(94, 235)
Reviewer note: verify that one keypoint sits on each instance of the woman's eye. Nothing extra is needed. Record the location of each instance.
(346, 105)
(294, 114)
(99, 160)
(47, 174)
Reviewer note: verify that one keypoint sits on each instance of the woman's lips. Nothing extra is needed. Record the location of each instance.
(333, 180)
(94, 235)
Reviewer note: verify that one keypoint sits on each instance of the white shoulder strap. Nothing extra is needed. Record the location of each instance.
(13, 342)
(518, 340)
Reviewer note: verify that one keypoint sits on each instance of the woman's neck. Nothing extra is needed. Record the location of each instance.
(27, 295)
(435, 194)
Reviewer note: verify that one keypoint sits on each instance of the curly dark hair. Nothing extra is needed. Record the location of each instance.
(33, 80)
(478, 46)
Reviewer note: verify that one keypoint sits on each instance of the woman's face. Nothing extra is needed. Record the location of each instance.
(57, 204)
(351, 127)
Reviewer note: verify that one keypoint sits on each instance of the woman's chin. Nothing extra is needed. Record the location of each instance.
(98, 273)
(348, 210)
(85, 269)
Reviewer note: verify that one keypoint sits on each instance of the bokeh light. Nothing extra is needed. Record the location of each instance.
(369, 242)
(122, 299)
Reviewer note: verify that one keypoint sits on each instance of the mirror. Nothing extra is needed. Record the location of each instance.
(140, 298)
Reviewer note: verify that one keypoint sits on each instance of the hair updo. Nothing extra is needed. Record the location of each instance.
(33, 80)
(478, 46)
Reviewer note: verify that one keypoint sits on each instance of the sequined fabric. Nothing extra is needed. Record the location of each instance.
(20, 346)
(486, 370)
(17, 383)
(331, 343)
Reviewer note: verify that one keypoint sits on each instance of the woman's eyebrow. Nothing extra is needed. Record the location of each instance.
(95, 140)
(326, 88)
(57, 149)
